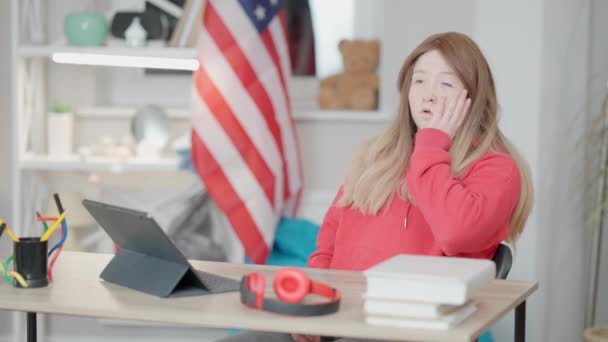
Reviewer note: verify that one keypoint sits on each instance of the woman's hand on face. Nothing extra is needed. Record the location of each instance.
(451, 115)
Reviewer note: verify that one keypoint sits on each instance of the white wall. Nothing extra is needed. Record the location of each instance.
(405, 24)
(514, 53)
(539, 53)
(5, 106)
(562, 238)
(325, 157)
(5, 141)
(597, 92)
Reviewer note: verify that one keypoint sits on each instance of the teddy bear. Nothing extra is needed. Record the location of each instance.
(356, 88)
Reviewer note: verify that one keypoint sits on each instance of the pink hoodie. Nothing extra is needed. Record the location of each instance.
(465, 216)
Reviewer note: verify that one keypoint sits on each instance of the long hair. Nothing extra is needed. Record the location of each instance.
(379, 165)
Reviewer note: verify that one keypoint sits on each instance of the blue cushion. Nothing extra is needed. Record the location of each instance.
(294, 241)
(486, 337)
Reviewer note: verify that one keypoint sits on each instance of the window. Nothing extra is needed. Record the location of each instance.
(315, 29)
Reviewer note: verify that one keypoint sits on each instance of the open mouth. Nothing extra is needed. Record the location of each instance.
(427, 111)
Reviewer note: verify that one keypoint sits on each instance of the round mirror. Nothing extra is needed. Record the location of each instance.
(150, 126)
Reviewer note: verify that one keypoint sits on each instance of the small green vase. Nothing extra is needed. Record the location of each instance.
(85, 29)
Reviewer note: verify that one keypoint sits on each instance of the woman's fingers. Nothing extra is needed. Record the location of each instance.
(450, 109)
(451, 113)
(463, 113)
(437, 117)
(458, 106)
(459, 109)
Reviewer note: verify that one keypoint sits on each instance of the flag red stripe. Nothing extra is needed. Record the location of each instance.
(221, 190)
(244, 71)
(232, 127)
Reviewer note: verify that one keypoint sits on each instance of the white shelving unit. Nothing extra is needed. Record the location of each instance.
(29, 105)
(30, 78)
(31, 61)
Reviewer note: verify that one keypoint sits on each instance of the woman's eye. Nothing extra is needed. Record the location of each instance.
(447, 84)
(417, 81)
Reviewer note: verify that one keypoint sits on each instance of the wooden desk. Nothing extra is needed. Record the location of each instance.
(78, 291)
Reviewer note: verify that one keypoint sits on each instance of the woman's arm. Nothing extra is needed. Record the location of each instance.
(465, 215)
(321, 257)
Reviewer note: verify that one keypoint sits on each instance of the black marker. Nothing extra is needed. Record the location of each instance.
(58, 203)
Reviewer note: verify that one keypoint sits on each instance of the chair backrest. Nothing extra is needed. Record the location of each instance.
(503, 258)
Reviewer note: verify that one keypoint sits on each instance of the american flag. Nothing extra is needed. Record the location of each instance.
(244, 143)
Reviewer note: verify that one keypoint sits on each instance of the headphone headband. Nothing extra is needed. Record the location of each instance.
(256, 299)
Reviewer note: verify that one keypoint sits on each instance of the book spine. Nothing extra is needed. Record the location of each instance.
(435, 325)
(402, 310)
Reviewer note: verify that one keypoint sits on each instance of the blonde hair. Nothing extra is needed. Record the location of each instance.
(378, 168)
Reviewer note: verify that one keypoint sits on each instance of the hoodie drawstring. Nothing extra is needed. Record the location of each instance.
(407, 214)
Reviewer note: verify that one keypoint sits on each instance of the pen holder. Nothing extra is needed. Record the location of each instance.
(31, 261)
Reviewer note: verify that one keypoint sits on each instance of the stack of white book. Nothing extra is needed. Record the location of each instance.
(426, 292)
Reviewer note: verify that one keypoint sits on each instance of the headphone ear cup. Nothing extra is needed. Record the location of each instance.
(291, 285)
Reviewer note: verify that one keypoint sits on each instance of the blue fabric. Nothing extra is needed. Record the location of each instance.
(251, 8)
(185, 159)
(486, 337)
(294, 241)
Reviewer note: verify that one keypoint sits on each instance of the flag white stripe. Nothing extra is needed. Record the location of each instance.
(277, 34)
(239, 101)
(267, 72)
(234, 167)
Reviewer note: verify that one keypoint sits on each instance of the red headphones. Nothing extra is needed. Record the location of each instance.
(290, 285)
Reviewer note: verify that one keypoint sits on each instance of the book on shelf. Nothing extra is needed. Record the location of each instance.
(444, 323)
(398, 308)
(433, 279)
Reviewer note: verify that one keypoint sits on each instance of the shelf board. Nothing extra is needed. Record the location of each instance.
(185, 113)
(115, 48)
(97, 164)
(341, 116)
(126, 112)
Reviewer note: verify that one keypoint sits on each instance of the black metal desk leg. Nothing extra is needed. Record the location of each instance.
(520, 322)
(31, 327)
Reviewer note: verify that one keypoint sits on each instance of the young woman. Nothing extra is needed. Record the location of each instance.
(441, 180)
